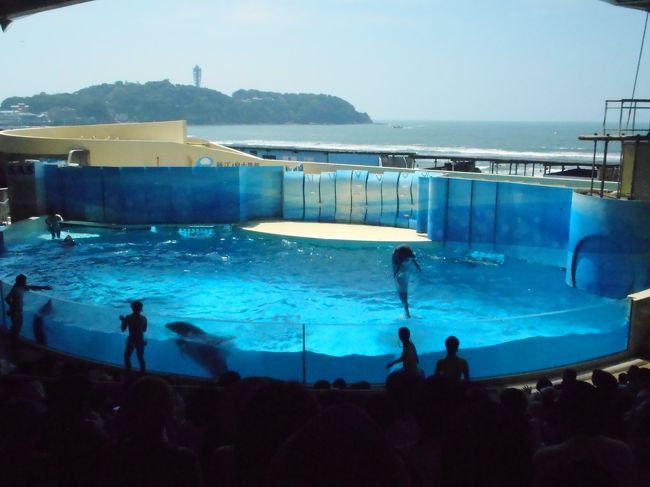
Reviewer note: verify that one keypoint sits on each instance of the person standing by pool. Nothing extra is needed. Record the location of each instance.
(53, 222)
(136, 323)
(452, 366)
(409, 357)
(403, 257)
(15, 301)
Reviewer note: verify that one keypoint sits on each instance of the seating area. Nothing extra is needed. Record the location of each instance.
(69, 422)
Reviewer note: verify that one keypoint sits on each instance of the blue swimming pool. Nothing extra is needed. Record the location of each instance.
(263, 300)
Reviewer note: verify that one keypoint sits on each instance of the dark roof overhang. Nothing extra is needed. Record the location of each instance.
(12, 9)
(638, 4)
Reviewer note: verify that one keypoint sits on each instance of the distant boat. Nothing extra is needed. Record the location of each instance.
(398, 126)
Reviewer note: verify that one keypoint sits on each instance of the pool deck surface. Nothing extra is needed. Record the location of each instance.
(336, 232)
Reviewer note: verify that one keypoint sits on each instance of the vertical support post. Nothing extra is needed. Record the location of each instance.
(593, 168)
(304, 358)
(602, 171)
(620, 117)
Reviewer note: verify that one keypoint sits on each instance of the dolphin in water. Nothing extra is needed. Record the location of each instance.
(193, 333)
(200, 346)
(208, 357)
(187, 330)
(403, 257)
(38, 323)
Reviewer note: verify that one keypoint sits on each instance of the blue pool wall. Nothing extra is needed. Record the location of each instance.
(529, 222)
(603, 243)
(609, 245)
(141, 195)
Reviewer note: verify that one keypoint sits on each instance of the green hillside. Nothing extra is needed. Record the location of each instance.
(162, 100)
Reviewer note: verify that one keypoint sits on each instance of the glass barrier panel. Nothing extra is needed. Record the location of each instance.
(206, 347)
(195, 347)
(493, 347)
(352, 352)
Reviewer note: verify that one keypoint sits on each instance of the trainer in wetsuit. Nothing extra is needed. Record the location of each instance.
(403, 256)
(15, 301)
(137, 325)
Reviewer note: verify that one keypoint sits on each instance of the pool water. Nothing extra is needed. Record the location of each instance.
(256, 292)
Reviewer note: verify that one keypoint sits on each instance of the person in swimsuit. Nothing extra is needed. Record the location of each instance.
(53, 222)
(136, 323)
(15, 301)
(409, 357)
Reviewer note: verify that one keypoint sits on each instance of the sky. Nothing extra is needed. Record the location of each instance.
(510, 60)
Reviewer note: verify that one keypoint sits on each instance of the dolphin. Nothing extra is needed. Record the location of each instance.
(187, 330)
(38, 323)
(195, 334)
(403, 257)
(208, 357)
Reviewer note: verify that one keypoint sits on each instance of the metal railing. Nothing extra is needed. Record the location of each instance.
(502, 166)
(631, 116)
(631, 123)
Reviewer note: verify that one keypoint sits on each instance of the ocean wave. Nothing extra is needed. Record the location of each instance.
(567, 154)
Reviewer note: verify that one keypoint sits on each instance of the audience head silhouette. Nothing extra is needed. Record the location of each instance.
(452, 344)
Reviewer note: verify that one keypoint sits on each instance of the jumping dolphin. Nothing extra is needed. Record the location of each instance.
(403, 256)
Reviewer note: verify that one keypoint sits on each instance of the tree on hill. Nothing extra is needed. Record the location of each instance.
(162, 100)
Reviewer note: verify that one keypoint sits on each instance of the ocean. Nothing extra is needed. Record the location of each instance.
(556, 141)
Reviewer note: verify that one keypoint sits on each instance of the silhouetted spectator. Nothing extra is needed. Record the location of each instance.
(483, 446)
(339, 383)
(228, 378)
(452, 366)
(569, 377)
(543, 383)
(360, 385)
(272, 414)
(144, 456)
(585, 456)
(322, 384)
(403, 391)
(23, 460)
(439, 399)
(639, 440)
(341, 447)
(515, 404)
(74, 432)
